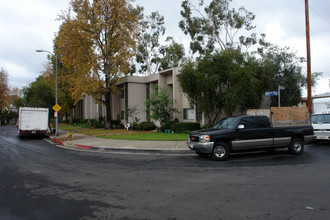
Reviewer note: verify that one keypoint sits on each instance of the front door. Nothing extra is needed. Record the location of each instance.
(255, 134)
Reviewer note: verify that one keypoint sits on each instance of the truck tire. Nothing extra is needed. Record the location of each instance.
(296, 146)
(220, 151)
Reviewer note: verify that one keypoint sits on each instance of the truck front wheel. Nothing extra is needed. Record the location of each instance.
(220, 151)
(296, 146)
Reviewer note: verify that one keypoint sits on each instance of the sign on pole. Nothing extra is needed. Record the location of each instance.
(272, 93)
(56, 108)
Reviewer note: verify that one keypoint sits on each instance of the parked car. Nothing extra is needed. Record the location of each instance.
(239, 133)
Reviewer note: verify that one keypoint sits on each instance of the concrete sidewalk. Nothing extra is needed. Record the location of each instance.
(86, 142)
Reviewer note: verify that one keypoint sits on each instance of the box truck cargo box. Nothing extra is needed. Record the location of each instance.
(32, 121)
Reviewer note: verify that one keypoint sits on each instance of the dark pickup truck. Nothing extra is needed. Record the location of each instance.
(246, 133)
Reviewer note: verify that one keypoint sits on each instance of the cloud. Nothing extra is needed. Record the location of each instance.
(25, 27)
(29, 25)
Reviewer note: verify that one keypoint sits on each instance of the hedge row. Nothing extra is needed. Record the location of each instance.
(185, 126)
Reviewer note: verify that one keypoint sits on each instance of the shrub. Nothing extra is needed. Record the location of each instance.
(181, 127)
(116, 123)
(5, 116)
(95, 123)
(76, 121)
(102, 120)
(147, 126)
(207, 126)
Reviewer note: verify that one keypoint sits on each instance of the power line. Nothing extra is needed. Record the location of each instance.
(323, 18)
(318, 14)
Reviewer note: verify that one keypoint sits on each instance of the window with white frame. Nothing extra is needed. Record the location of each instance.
(188, 114)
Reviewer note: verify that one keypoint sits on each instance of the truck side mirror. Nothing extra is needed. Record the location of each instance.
(240, 127)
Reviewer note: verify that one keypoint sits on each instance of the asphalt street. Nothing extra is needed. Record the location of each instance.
(41, 181)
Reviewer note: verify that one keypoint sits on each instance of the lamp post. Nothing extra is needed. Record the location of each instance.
(56, 97)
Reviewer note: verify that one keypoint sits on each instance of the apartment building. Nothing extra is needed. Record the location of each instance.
(133, 92)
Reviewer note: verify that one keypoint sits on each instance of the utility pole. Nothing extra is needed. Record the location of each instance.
(56, 93)
(309, 74)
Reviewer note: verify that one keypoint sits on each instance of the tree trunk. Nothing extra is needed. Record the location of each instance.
(71, 115)
(108, 109)
(108, 102)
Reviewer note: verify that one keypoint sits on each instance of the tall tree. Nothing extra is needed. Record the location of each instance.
(38, 94)
(67, 95)
(101, 36)
(216, 26)
(225, 81)
(4, 90)
(172, 54)
(286, 69)
(148, 49)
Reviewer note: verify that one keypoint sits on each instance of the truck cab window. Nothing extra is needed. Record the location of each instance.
(248, 122)
(261, 122)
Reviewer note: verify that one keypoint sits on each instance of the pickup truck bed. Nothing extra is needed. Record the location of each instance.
(247, 133)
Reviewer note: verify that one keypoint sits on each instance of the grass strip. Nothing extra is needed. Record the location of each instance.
(148, 137)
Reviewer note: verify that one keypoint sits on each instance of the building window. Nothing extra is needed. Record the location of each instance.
(148, 106)
(122, 94)
(188, 114)
(199, 116)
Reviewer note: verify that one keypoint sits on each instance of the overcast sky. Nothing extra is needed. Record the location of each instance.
(26, 26)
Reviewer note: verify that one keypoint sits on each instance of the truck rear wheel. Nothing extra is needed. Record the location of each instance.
(296, 146)
(220, 151)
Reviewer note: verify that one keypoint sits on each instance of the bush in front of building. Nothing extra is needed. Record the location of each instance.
(116, 124)
(95, 123)
(183, 127)
(6, 116)
(147, 126)
(206, 126)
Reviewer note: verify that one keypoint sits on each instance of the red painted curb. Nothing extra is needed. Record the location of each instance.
(57, 141)
(83, 146)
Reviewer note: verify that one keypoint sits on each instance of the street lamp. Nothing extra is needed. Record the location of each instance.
(56, 97)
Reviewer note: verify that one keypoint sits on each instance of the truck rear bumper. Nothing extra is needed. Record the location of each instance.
(201, 147)
(31, 132)
(322, 135)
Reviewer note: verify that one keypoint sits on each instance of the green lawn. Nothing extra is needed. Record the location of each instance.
(123, 134)
(148, 137)
(89, 131)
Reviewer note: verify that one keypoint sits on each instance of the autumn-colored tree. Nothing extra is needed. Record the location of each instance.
(4, 90)
(96, 44)
(14, 93)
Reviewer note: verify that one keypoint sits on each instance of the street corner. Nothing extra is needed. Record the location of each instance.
(66, 144)
(56, 141)
(77, 146)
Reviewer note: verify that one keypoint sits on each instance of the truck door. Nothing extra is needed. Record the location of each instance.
(256, 133)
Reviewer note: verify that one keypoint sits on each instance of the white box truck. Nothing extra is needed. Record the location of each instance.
(321, 119)
(32, 121)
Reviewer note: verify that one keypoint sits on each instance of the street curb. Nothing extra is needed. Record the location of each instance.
(70, 145)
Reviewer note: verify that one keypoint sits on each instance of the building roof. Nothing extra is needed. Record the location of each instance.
(324, 95)
(145, 79)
